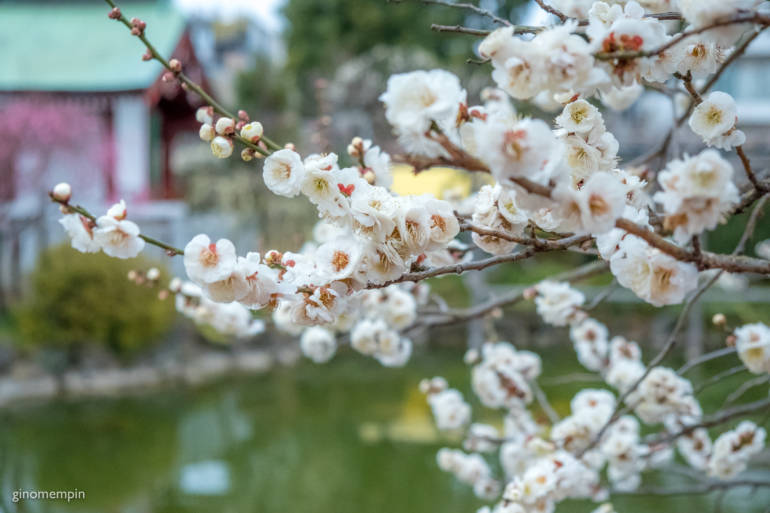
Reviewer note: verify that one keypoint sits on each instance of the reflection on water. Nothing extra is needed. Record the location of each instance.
(347, 437)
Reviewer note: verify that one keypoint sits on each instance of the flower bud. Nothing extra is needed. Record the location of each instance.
(175, 65)
(132, 275)
(153, 273)
(719, 320)
(147, 56)
(369, 176)
(221, 147)
(114, 14)
(247, 154)
(207, 132)
(205, 115)
(730, 340)
(290, 146)
(243, 115)
(252, 132)
(168, 77)
(175, 285)
(118, 211)
(357, 142)
(62, 192)
(225, 126)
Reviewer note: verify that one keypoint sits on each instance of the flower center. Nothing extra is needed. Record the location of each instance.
(209, 256)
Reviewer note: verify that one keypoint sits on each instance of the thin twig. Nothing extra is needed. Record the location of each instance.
(745, 387)
(695, 490)
(705, 358)
(469, 7)
(195, 87)
(552, 10)
(715, 420)
(459, 29)
(542, 400)
(719, 377)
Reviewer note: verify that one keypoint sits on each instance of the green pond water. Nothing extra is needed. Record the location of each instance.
(347, 437)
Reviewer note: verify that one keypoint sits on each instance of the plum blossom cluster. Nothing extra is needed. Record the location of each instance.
(367, 237)
(229, 319)
(696, 193)
(112, 233)
(358, 281)
(545, 464)
(733, 449)
(220, 131)
(449, 408)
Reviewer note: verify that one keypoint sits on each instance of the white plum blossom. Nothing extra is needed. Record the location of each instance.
(284, 173)
(81, 233)
(471, 469)
(733, 449)
(590, 339)
(208, 262)
(558, 303)
(651, 274)
(701, 56)
(661, 394)
(696, 193)
(526, 149)
(714, 121)
(415, 100)
(500, 379)
(594, 208)
(449, 409)
(318, 344)
(753, 344)
(117, 236)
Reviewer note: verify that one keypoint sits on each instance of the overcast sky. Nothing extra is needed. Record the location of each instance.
(264, 10)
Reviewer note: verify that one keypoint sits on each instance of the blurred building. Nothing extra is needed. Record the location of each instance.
(77, 103)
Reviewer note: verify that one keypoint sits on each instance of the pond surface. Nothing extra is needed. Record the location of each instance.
(347, 437)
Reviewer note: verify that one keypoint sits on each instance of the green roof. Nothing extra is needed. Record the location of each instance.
(75, 47)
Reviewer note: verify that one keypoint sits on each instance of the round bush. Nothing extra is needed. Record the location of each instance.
(77, 298)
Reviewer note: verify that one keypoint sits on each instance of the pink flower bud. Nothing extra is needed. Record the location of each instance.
(205, 115)
(243, 115)
(114, 14)
(62, 192)
(207, 132)
(225, 126)
(147, 56)
(252, 132)
(175, 65)
(221, 147)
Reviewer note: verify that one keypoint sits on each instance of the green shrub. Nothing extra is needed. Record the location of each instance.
(77, 298)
